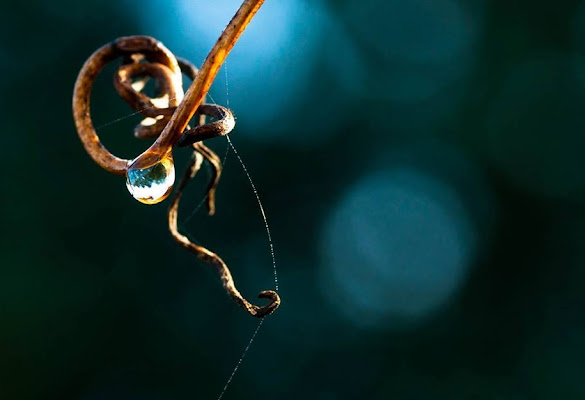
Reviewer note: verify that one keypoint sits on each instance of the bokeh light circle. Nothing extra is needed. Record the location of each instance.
(535, 126)
(421, 46)
(268, 70)
(396, 248)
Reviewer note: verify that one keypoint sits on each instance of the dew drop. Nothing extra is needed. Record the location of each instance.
(152, 184)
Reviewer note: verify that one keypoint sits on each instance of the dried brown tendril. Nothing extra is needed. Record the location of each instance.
(166, 118)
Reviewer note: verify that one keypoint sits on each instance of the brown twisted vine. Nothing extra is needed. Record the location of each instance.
(166, 119)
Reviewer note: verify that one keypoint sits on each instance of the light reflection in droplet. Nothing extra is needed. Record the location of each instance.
(396, 248)
(153, 184)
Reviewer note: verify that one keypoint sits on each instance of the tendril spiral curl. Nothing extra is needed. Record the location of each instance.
(144, 58)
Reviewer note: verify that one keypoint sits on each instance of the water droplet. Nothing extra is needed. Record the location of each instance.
(152, 184)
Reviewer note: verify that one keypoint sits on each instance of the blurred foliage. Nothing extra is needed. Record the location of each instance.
(421, 166)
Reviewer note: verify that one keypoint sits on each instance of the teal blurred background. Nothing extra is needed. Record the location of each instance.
(421, 165)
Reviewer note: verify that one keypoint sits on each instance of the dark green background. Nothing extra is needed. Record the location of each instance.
(97, 301)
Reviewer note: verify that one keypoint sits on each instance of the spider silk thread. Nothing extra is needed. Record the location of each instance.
(266, 226)
(200, 204)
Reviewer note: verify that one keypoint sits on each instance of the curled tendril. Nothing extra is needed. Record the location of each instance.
(143, 59)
